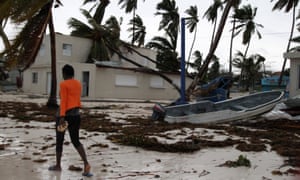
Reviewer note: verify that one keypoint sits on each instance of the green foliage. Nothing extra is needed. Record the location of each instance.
(105, 37)
(250, 68)
(167, 61)
(241, 161)
(138, 30)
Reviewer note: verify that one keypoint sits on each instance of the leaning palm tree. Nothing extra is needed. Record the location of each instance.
(130, 6)
(139, 33)
(24, 49)
(192, 21)
(245, 23)
(204, 67)
(97, 33)
(105, 39)
(288, 5)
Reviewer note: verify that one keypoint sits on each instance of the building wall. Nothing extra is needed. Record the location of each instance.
(42, 86)
(104, 82)
(294, 85)
(107, 83)
(78, 53)
(126, 84)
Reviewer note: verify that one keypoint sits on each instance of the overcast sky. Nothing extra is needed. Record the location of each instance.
(272, 45)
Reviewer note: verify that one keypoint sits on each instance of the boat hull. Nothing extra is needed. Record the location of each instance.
(224, 111)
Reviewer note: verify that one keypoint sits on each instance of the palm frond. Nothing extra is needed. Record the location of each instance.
(79, 28)
(26, 45)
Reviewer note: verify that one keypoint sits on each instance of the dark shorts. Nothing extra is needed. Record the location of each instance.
(73, 128)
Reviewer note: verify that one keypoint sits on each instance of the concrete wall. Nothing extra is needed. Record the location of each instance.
(104, 82)
(294, 85)
(44, 77)
(107, 83)
(79, 51)
(140, 85)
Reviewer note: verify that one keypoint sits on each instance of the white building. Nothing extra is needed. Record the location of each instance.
(294, 85)
(115, 79)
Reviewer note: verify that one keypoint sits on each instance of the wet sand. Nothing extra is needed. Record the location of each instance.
(28, 146)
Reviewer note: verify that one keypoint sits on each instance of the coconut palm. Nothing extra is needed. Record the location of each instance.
(212, 15)
(170, 19)
(214, 69)
(167, 57)
(251, 68)
(245, 23)
(231, 38)
(99, 34)
(130, 6)
(192, 21)
(139, 33)
(22, 52)
(287, 5)
(198, 58)
(202, 70)
(105, 38)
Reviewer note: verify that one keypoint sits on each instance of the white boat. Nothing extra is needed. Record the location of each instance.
(244, 107)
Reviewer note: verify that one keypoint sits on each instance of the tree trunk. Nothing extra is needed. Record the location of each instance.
(211, 52)
(133, 27)
(192, 46)
(4, 36)
(52, 101)
(214, 32)
(231, 46)
(247, 48)
(288, 45)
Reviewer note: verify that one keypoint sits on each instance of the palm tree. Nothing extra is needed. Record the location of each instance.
(23, 51)
(288, 5)
(204, 67)
(234, 16)
(170, 19)
(197, 55)
(99, 34)
(139, 33)
(250, 68)
(167, 56)
(245, 19)
(192, 22)
(214, 70)
(106, 40)
(130, 6)
(212, 15)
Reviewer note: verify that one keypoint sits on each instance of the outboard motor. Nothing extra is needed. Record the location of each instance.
(158, 113)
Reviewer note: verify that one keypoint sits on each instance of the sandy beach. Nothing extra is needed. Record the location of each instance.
(28, 147)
